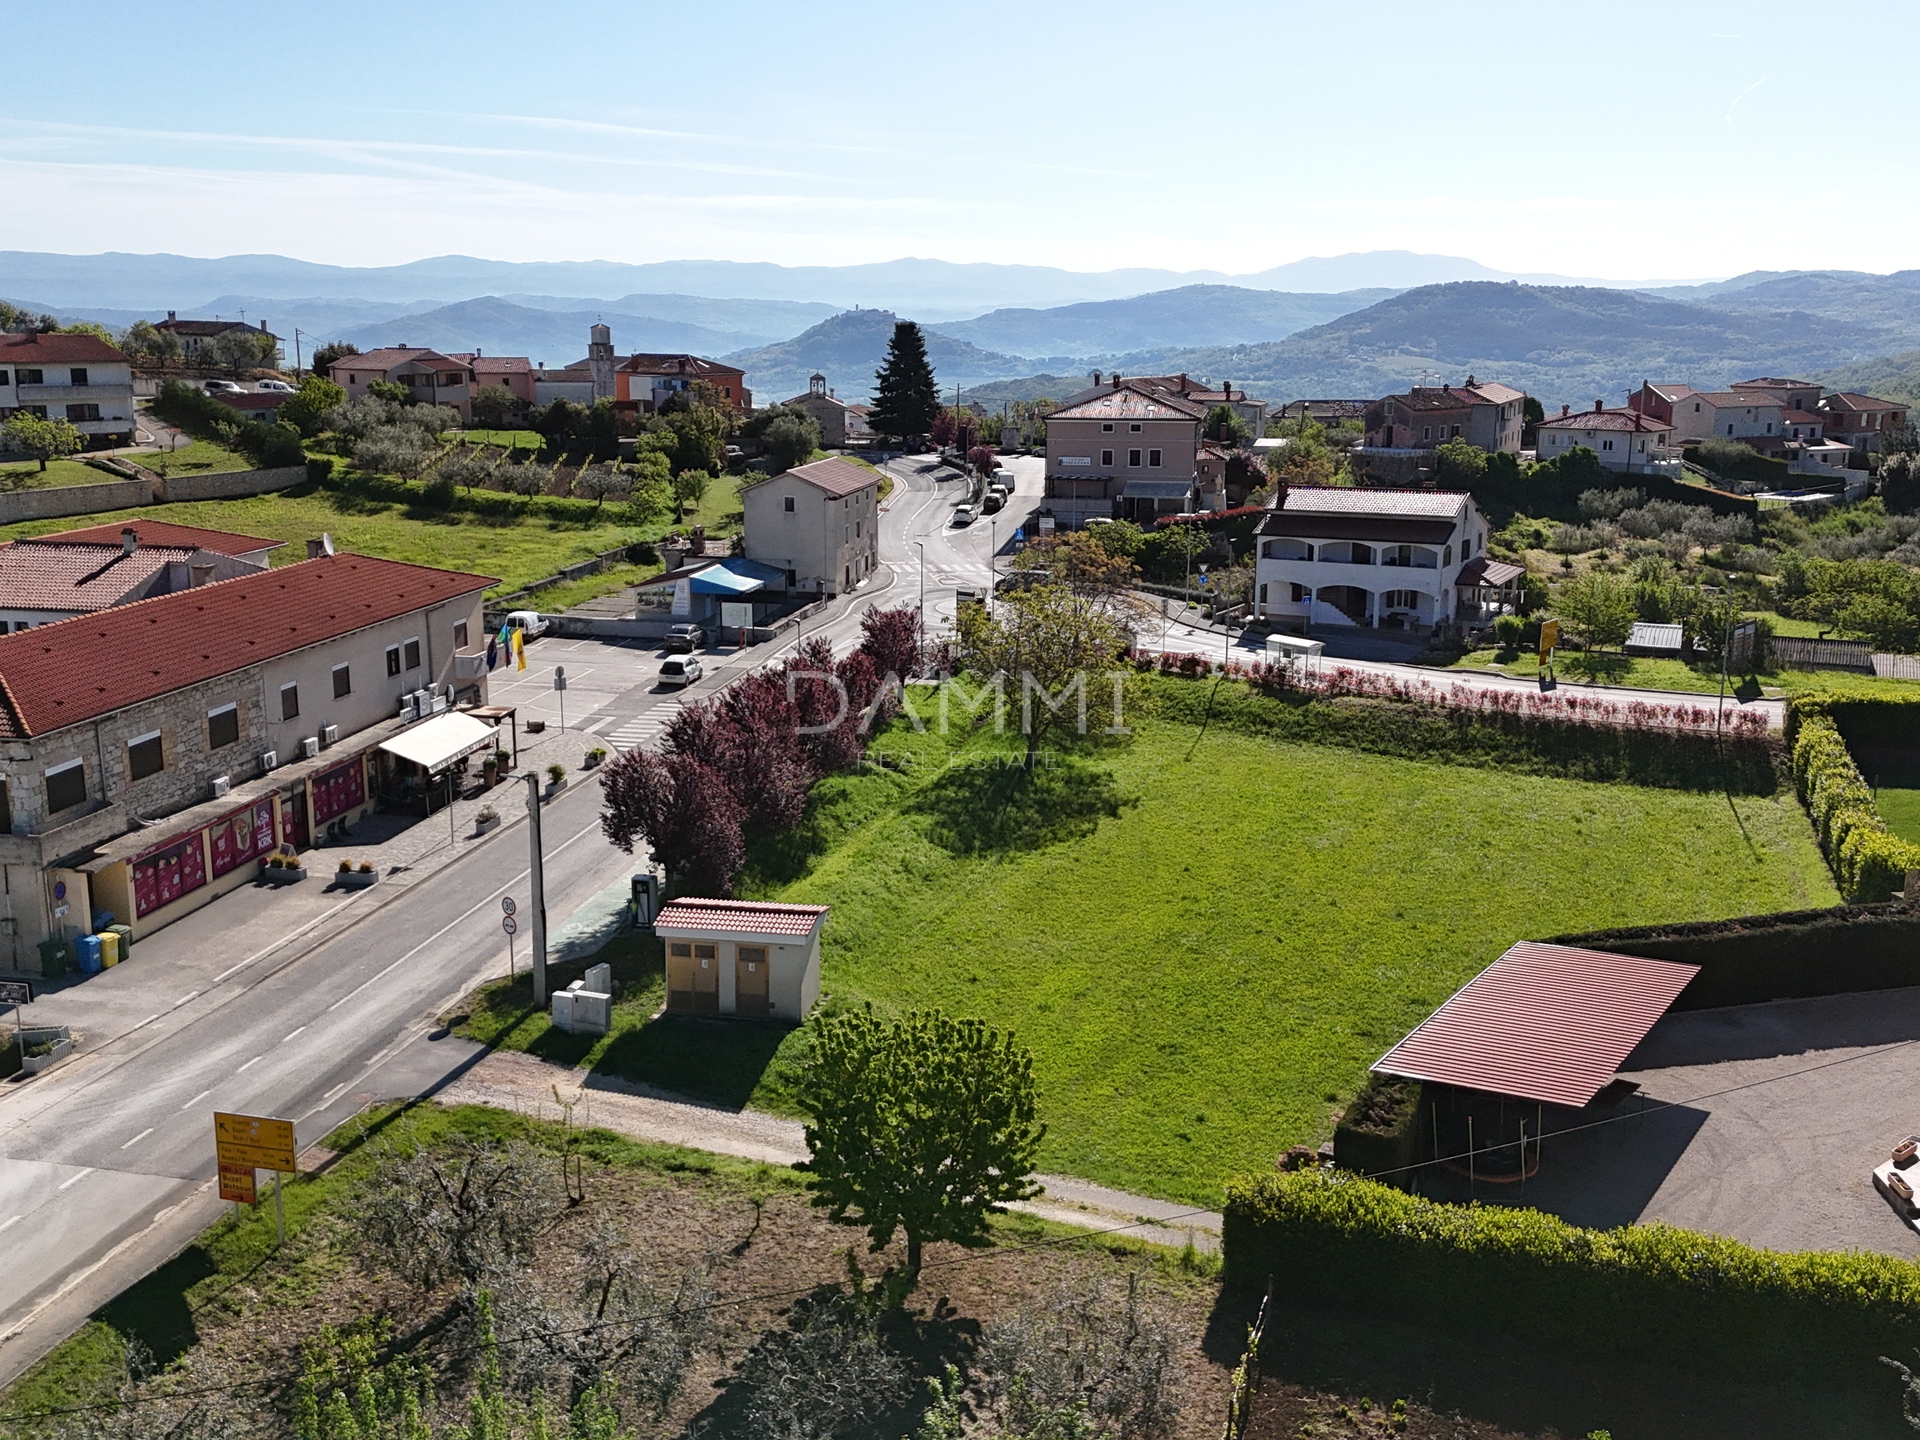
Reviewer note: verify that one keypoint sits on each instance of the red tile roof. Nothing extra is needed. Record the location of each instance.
(1853, 400)
(79, 577)
(1543, 1022)
(159, 532)
(675, 365)
(389, 357)
(1629, 420)
(498, 364)
(74, 670)
(839, 478)
(1126, 402)
(35, 348)
(207, 327)
(754, 917)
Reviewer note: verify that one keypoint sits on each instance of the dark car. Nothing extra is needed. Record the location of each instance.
(686, 637)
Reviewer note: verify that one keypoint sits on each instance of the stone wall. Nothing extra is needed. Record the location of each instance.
(73, 500)
(227, 485)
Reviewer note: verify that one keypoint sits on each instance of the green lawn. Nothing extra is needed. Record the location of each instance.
(1205, 938)
(507, 439)
(201, 457)
(58, 472)
(1656, 673)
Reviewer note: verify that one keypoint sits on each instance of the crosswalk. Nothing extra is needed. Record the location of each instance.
(642, 730)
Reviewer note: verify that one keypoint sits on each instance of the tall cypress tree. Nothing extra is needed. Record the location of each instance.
(905, 398)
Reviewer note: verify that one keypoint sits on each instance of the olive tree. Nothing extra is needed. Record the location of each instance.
(42, 439)
(924, 1125)
(1597, 607)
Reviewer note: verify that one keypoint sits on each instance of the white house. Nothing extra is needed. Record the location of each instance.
(819, 523)
(1727, 415)
(1374, 557)
(79, 378)
(741, 957)
(1626, 440)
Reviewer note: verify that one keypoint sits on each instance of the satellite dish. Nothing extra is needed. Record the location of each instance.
(326, 543)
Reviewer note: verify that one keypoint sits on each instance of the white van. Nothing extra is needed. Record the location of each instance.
(527, 622)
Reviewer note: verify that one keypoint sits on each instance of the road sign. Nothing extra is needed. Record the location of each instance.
(1020, 532)
(509, 924)
(507, 907)
(236, 1183)
(559, 677)
(16, 992)
(253, 1140)
(1549, 639)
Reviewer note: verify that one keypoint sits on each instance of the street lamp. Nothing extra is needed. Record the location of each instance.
(921, 546)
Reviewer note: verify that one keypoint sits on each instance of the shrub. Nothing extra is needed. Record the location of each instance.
(556, 772)
(1869, 861)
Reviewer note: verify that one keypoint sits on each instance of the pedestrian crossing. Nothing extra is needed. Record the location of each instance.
(643, 730)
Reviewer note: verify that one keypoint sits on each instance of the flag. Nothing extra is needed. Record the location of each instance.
(505, 636)
(519, 650)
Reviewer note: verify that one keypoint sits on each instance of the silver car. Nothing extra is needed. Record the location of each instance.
(681, 670)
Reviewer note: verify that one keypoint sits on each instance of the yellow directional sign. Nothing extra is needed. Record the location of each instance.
(236, 1183)
(253, 1141)
(1549, 638)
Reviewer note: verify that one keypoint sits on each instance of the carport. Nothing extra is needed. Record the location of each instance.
(1530, 1045)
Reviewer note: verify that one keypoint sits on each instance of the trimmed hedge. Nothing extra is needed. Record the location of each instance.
(1647, 1293)
(1869, 861)
(1379, 1130)
(1788, 956)
(205, 418)
(1661, 758)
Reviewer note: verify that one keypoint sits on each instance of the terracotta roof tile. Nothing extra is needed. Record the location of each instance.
(36, 348)
(79, 577)
(1631, 421)
(754, 917)
(1421, 504)
(159, 532)
(74, 670)
(839, 478)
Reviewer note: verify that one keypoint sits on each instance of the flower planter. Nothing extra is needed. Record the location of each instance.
(486, 827)
(554, 787)
(62, 1041)
(355, 879)
(282, 874)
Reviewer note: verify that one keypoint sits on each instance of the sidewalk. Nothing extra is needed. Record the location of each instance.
(509, 1080)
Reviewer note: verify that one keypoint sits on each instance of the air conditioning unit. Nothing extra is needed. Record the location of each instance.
(310, 747)
(270, 760)
(410, 705)
(330, 735)
(436, 702)
(221, 785)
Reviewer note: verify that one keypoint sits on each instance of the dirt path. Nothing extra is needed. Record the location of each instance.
(509, 1080)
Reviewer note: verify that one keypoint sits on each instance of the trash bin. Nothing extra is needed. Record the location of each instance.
(109, 948)
(89, 948)
(101, 920)
(125, 932)
(53, 958)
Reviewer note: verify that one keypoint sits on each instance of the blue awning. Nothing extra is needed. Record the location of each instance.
(736, 575)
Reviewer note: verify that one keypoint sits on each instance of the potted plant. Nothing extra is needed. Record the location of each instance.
(594, 756)
(487, 820)
(42, 1048)
(502, 761)
(489, 772)
(280, 869)
(348, 878)
(556, 778)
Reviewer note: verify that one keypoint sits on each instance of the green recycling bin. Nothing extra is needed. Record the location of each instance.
(53, 958)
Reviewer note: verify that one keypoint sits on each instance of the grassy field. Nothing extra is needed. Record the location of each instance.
(1205, 938)
(28, 476)
(507, 439)
(1657, 673)
(201, 457)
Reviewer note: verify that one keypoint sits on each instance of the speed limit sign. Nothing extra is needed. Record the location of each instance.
(506, 904)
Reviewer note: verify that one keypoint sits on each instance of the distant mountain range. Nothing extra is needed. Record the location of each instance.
(849, 347)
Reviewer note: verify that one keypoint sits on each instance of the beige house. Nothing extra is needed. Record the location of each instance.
(1127, 451)
(152, 753)
(820, 523)
(1860, 420)
(1629, 441)
(77, 378)
(741, 957)
(435, 379)
(840, 424)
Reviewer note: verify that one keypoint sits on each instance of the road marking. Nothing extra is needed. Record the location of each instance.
(138, 1138)
(300, 1031)
(190, 995)
(290, 936)
(250, 1064)
(9, 1224)
(77, 1178)
(328, 1098)
(144, 1023)
(196, 1100)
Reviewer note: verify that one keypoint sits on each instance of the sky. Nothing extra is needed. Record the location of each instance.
(1625, 141)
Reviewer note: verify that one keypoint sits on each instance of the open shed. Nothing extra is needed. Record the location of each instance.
(741, 957)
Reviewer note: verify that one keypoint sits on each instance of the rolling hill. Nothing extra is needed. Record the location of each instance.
(847, 348)
(557, 337)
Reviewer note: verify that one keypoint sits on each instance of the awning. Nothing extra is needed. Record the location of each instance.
(736, 575)
(435, 744)
(1157, 490)
(1543, 1022)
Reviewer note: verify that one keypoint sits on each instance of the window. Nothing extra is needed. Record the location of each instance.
(83, 412)
(342, 681)
(1106, 458)
(1133, 458)
(38, 411)
(459, 634)
(289, 702)
(393, 666)
(3, 378)
(6, 805)
(1426, 432)
(66, 786)
(28, 377)
(1135, 428)
(1448, 555)
(1263, 594)
(223, 727)
(787, 504)
(1606, 444)
(79, 376)
(144, 756)
(1105, 429)
(1153, 459)
(411, 653)
(1300, 593)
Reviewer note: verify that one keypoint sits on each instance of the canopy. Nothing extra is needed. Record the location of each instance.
(1157, 490)
(435, 744)
(736, 575)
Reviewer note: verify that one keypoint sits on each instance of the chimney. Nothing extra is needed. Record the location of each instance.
(199, 572)
(1183, 382)
(1116, 380)
(314, 550)
(1598, 406)
(1566, 409)
(263, 327)
(129, 540)
(1096, 377)
(170, 315)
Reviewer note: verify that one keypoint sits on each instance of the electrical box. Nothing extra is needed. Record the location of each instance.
(646, 899)
(599, 979)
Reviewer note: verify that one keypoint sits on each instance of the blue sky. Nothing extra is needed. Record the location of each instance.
(1625, 140)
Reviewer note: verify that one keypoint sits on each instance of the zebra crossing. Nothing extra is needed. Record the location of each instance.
(644, 729)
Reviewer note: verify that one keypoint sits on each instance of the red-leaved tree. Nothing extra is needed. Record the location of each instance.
(684, 813)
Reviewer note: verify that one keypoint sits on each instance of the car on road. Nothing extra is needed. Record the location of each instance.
(528, 622)
(681, 670)
(991, 502)
(275, 387)
(686, 637)
(223, 387)
(963, 515)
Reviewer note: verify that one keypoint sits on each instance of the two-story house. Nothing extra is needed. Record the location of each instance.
(45, 578)
(1486, 414)
(79, 378)
(434, 378)
(193, 334)
(151, 753)
(646, 381)
(1857, 420)
(818, 523)
(1625, 440)
(1696, 415)
(1343, 557)
(1128, 451)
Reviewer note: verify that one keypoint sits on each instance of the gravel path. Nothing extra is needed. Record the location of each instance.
(509, 1080)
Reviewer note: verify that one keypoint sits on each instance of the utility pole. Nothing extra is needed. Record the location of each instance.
(537, 901)
(921, 547)
(296, 350)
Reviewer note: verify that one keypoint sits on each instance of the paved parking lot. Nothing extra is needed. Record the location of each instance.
(1776, 1116)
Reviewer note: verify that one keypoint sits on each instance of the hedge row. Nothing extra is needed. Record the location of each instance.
(1649, 1293)
(206, 418)
(1869, 861)
(1667, 759)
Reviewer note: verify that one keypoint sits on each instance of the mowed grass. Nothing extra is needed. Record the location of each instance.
(29, 476)
(200, 457)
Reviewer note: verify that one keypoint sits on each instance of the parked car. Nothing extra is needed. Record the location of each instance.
(223, 387)
(276, 387)
(963, 515)
(528, 623)
(991, 502)
(680, 670)
(686, 637)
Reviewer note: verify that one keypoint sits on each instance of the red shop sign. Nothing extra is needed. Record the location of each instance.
(168, 874)
(242, 836)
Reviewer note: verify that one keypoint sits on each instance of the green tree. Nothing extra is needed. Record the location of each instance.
(1882, 622)
(790, 441)
(1900, 484)
(89, 327)
(394, 393)
(149, 344)
(905, 398)
(1224, 426)
(333, 350)
(1122, 539)
(689, 489)
(698, 438)
(1047, 645)
(42, 439)
(1459, 463)
(306, 409)
(18, 321)
(1598, 607)
(926, 1124)
(240, 349)
(495, 407)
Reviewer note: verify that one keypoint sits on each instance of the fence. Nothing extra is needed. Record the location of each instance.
(1796, 652)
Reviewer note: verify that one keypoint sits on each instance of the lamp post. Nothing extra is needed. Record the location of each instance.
(921, 546)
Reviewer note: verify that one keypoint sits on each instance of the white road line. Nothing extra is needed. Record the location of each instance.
(190, 995)
(196, 1100)
(144, 1023)
(9, 1224)
(250, 1064)
(77, 1178)
(138, 1138)
(287, 938)
(340, 1089)
(300, 1031)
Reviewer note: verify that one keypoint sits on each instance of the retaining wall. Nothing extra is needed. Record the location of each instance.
(73, 500)
(226, 485)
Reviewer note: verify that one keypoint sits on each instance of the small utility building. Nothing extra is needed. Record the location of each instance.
(741, 957)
